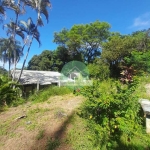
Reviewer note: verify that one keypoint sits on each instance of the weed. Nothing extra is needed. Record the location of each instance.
(40, 135)
(52, 144)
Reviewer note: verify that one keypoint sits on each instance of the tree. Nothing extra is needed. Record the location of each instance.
(140, 61)
(115, 49)
(7, 47)
(31, 28)
(2, 11)
(85, 40)
(62, 57)
(142, 39)
(44, 61)
(27, 30)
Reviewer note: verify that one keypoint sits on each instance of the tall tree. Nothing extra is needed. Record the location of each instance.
(44, 61)
(7, 48)
(30, 28)
(27, 30)
(84, 39)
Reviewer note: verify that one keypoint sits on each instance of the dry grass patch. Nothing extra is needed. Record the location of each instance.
(44, 123)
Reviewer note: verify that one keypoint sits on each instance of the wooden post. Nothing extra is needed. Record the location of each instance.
(37, 84)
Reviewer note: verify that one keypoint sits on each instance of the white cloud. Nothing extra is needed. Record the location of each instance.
(142, 22)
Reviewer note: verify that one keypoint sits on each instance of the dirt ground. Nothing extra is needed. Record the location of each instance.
(42, 126)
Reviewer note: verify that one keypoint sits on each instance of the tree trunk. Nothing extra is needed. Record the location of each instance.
(9, 68)
(14, 35)
(25, 59)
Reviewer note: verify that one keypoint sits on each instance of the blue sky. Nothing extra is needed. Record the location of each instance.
(124, 16)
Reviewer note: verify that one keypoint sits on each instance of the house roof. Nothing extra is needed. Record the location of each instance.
(33, 77)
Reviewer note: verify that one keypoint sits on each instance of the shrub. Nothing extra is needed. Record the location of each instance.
(7, 93)
(113, 112)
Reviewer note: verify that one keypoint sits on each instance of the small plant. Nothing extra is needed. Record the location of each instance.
(52, 144)
(127, 75)
(40, 134)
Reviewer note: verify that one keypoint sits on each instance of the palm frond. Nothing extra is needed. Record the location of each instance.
(45, 13)
(40, 6)
(20, 33)
(40, 22)
(36, 35)
(2, 10)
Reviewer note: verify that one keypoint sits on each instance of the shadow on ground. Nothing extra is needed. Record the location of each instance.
(54, 140)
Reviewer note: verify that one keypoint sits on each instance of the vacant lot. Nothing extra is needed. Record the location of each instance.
(38, 126)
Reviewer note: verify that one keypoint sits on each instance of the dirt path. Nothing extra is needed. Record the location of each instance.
(43, 127)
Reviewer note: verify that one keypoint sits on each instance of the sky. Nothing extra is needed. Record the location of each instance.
(124, 16)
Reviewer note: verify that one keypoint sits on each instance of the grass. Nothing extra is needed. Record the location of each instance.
(39, 96)
(40, 135)
(80, 135)
(52, 144)
(141, 90)
(43, 95)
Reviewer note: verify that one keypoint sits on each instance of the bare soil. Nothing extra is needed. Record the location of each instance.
(43, 126)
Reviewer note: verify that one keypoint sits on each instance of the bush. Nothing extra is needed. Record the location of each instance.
(113, 113)
(7, 93)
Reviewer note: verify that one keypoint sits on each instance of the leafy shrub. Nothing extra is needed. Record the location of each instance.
(7, 93)
(113, 112)
(99, 70)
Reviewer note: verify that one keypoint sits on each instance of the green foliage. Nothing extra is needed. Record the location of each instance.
(50, 60)
(44, 94)
(52, 144)
(3, 71)
(113, 112)
(99, 70)
(43, 62)
(84, 40)
(40, 134)
(140, 61)
(7, 93)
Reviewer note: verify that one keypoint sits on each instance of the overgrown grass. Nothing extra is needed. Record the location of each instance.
(141, 90)
(83, 136)
(39, 96)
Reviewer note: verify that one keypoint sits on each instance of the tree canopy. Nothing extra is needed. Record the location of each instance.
(84, 40)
